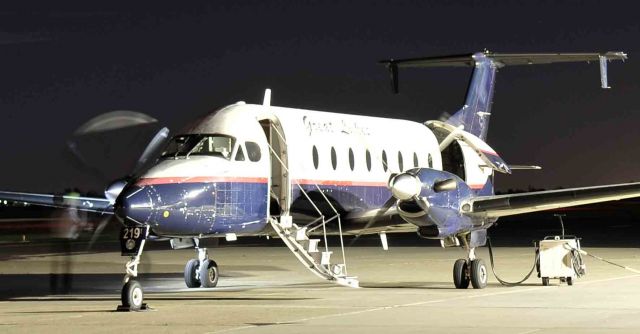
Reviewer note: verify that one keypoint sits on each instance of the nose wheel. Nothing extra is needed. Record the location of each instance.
(201, 272)
(472, 271)
(132, 296)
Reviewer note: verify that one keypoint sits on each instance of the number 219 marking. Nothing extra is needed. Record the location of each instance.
(131, 233)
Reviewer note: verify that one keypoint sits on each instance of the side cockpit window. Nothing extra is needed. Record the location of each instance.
(253, 151)
(240, 154)
(184, 146)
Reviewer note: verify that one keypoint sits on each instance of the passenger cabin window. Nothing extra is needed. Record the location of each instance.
(314, 153)
(184, 146)
(368, 159)
(352, 162)
(400, 163)
(240, 154)
(384, 160)
(415, 160)
(253, 151)
(334, 158)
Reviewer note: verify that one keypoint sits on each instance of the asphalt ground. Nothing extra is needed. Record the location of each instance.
(265, 290)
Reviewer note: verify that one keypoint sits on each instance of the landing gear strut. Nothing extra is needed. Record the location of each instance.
(132, 241)
(470, 270)
(201, 271)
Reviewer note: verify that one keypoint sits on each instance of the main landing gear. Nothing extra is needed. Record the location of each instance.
(470, 270)
(201, 271)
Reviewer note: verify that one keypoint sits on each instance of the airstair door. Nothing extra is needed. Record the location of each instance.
(279, 183)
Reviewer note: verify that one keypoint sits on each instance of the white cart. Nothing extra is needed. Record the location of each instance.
(560, 258)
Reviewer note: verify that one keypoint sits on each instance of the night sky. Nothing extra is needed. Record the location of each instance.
(63, 64)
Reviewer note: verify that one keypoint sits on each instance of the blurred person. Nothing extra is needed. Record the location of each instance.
(64, 233)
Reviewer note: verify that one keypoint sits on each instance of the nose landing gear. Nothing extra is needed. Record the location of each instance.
(132, 240)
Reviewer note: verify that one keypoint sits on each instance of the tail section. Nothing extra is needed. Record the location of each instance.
(474, 115)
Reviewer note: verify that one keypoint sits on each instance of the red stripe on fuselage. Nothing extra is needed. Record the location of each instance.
(204, 179)
(199, 179)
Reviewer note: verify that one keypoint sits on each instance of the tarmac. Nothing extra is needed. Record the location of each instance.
(265, 290)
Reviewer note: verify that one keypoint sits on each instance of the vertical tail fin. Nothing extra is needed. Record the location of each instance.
(475, 113)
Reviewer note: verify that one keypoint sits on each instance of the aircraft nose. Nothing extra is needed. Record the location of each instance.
(134, 205)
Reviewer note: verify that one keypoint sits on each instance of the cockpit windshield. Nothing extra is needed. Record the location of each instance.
(184, 146)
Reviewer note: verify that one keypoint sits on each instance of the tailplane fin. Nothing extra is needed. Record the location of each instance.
(474, 115)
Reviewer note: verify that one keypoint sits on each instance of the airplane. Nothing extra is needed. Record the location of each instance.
(263, 170)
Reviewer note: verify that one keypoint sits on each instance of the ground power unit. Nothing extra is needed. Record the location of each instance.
(559, 258)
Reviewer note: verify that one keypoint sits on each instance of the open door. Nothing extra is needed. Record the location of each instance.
(279, 183)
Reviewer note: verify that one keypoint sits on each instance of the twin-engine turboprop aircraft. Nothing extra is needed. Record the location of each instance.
(264, 170)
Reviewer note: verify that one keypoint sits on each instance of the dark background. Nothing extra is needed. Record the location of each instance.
(66, 62)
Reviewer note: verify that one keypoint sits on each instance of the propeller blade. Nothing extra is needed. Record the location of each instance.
(385, 207)
(444, 116)
(446, 185)
(154, 145)
(114, 120)
(422, 203)
(96, 234)
(77, 159)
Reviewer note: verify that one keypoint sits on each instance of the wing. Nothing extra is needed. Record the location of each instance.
(506, 205)
(92, 204)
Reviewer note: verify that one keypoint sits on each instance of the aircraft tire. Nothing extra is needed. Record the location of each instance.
(460, 277)
(132, 295)
(569, 280)
(209, 274)
(479, 274)
(190, 277)
(545, 281)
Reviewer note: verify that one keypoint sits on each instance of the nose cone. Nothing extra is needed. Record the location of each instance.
(134, 205)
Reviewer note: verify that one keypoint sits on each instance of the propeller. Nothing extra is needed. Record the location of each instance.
(156, 143)
(113, 121)
(385, 207)
(114, 189)
(94, 142)
(407, 186)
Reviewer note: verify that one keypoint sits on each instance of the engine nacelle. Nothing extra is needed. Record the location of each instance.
(435, 209)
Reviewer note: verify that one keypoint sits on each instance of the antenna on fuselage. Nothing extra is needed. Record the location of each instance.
(267, 98)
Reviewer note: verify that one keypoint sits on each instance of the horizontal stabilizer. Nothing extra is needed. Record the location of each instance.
(524, 167)
(503, 59)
